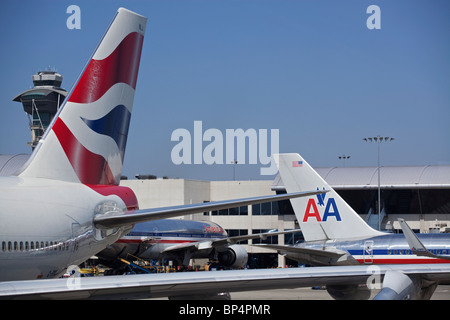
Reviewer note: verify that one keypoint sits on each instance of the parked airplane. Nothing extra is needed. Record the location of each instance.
(181, 240)
(65, 204)
(178, 240)
(336, 235)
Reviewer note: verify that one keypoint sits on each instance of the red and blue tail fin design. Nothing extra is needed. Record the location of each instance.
(86, 142)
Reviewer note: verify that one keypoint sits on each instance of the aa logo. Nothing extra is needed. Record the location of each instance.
(312, 211)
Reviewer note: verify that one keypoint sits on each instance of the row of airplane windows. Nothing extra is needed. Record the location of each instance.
(400, 252)
(409, 252)
(11, 246)
(14, 246)
(260, 209)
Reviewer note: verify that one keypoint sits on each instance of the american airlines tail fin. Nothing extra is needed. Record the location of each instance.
(86, 140)
(325, 216)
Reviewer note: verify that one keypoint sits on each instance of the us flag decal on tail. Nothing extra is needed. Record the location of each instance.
(297, 164)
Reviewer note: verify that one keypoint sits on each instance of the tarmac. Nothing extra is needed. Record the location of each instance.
(298, 303)
(442, 293)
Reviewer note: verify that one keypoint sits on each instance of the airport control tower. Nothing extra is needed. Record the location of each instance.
(42, 102)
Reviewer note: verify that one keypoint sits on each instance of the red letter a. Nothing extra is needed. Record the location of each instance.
(308, 213)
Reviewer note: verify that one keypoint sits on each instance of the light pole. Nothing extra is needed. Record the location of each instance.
(234, 162)
(379, 140)
(343, 158)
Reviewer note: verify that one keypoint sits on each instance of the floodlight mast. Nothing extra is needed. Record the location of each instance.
(343, 158)
(379, 140)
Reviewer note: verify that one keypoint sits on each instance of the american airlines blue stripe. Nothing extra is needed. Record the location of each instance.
(394, 252)
(175, 234)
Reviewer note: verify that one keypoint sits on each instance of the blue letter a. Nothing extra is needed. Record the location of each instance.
(335, 211)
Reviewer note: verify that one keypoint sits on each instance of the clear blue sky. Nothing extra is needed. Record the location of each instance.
(311, 69)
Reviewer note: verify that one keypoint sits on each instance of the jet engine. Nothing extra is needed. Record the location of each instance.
(234, 256)
(349, 292)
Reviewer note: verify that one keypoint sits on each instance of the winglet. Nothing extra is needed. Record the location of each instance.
(415, 244)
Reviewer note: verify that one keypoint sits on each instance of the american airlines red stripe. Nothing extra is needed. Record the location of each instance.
(402, 261)
(90, 168)
(121, 65)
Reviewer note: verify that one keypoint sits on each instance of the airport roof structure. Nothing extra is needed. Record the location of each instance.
(11, 163)
(415, 177)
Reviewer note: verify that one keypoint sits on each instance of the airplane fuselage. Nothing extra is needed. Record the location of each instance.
(148, 240)
(387, 249)
(47, 225)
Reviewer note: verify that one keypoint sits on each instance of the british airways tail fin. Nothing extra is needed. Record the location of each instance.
(86, 141)
(325, 216)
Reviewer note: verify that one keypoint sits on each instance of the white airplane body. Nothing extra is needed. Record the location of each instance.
(54, 227)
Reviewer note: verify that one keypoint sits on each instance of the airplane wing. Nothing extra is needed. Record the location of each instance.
(313, 256)
(117, 219)
(415, 244)
(190, 285)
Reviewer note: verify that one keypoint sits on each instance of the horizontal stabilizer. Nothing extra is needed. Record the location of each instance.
(209, 244)
(290, 249)
(191, 246)
(313, 256)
